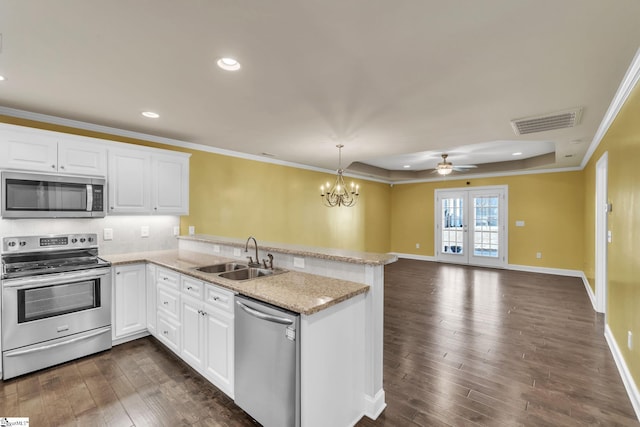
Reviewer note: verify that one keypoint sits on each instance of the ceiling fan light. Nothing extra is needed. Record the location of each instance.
(444, 170)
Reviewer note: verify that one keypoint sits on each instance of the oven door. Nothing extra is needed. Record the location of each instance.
(41, 308)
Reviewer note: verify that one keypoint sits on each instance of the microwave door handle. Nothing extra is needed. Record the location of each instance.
(89, 197)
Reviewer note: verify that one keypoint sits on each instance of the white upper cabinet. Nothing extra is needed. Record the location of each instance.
(129, 181)
(37, 150)
(82, 158)
(144, 181)
(170, 184)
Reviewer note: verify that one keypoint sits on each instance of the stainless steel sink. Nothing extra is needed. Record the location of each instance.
(221, 268)
(251, 273)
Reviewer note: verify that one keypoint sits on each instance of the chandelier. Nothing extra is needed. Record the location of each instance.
(339, 194)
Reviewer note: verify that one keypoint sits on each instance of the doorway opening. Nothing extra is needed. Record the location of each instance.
(602, 210)
(470, 226)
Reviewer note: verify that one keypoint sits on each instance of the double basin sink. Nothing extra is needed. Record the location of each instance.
(237, 271)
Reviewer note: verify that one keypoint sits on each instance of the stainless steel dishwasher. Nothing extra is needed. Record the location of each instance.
(267, 362)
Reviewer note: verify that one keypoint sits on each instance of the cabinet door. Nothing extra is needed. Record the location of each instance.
(82, 157)
(192, 348)
(28, 151)
(219, 355)
(151, 299)
(129, 181)
(170, 184)
(130, 300)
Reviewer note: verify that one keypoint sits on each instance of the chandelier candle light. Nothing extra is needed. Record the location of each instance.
(339, 194)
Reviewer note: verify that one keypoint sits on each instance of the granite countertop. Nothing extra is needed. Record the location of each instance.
(342, 255)
(299, 292)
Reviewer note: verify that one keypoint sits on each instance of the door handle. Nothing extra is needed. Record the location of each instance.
(265, 316)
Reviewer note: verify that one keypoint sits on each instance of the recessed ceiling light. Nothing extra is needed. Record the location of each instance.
(518, 153)
(150, 114)
(2, 78)
(228, 64)
(406, 166)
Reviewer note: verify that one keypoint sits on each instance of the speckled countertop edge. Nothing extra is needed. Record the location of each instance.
(353, 257)
(299, 292)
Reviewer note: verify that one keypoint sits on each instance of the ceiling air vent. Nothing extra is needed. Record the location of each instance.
(559, 120)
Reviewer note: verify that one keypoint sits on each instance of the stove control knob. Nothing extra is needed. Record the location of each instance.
(22, 243)
(89, 239)
(11, 243)
(82, 240)
(74, 240)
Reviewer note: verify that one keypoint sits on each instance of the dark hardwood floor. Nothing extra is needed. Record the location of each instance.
(463, 346)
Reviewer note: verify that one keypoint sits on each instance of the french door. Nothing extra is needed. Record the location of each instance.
(470, 226)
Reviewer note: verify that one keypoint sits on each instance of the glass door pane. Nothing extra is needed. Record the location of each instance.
(485, 226)
(453, 223)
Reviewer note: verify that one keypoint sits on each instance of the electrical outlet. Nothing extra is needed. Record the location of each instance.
(192, 230)
(417, 245)
(216, 249)
(144, 231)
(298, 262)
(176, 230)
(538, 255)
(236, 252)
(519, 223)
(630, 340)
(609, 236)
(107, 234)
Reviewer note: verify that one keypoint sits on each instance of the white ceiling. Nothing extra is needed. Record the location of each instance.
(397, 82)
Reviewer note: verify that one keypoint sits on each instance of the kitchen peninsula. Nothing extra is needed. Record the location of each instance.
(339, 296)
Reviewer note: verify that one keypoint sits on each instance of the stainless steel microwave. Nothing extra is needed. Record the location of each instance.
(37, 195)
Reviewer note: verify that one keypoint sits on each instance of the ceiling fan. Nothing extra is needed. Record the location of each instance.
(445, 167)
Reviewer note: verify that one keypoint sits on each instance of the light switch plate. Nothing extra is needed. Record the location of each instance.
(144, 231)
(107, 234)
(519, 223)
(176, 230)
(192, 230)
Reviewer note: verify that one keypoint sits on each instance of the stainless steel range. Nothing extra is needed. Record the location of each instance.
(56, 301)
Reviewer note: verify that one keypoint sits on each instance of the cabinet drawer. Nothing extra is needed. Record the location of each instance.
(191, 286)
(169, 301)
(219, 298)
(169, 333)
(168, 277)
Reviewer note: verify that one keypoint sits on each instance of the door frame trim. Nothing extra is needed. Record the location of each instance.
(505, 224)
(601, 227)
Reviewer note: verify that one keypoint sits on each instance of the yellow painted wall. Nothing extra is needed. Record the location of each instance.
(551, 204)
(237, 197)
(622, 142)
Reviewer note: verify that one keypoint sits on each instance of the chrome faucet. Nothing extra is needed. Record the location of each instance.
(246, 249)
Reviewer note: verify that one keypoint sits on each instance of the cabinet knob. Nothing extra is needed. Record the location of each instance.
(53, 166)
(62, 167)
(189, 288)
(166, 302)
(111, 207)
(165, 332)
(118, 272)
(155, 208)
(216, 298)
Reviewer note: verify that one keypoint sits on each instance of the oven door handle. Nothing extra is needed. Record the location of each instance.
(58, 344)
(68, 277)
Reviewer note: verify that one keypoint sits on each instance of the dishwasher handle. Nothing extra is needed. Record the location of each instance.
(265, 316)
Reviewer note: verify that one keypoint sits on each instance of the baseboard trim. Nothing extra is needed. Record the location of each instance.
(545, 270)
(413, 256)
(627, 379)
(374, 405)
(592, 296)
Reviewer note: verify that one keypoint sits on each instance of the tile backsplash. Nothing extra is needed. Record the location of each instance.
(126, 231)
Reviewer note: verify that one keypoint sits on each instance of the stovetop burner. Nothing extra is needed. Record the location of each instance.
(36, 255)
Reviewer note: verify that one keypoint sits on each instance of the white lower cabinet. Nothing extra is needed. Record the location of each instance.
(129, 300)
(207, 338)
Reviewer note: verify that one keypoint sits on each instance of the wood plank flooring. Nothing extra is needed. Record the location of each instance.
(464, 346)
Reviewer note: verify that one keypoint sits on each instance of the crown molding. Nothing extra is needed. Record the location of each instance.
(629, 81)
